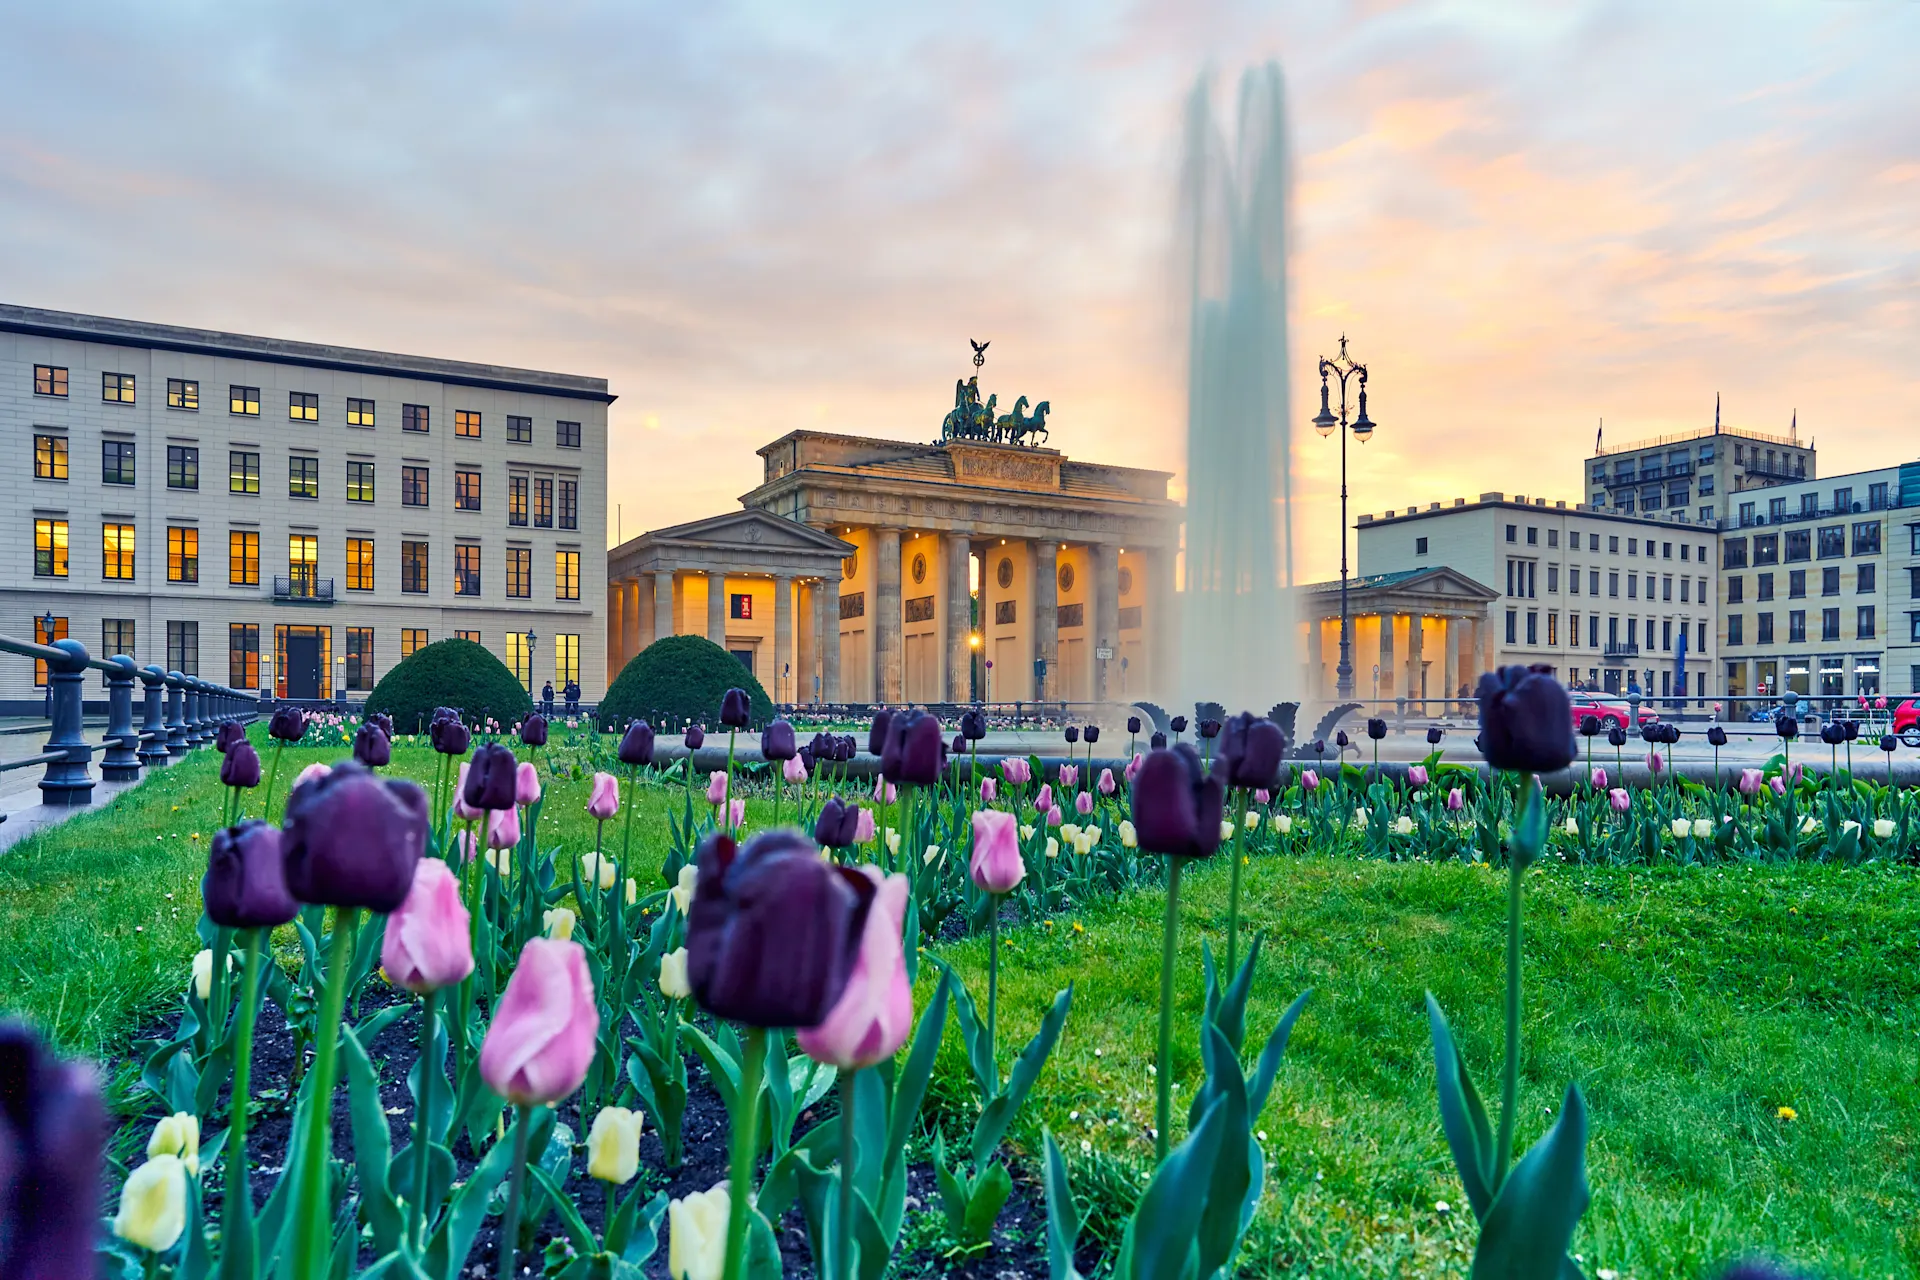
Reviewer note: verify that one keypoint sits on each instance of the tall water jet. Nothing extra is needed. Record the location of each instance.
(1238, 644)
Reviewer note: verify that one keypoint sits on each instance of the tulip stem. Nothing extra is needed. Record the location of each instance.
(1510, 1075)
(238, 1233)
(1233, 885)
(849, 1141)
(422, 1136)
(313, 1205)
(745, 1145)
(726, 812)
(273, 774)
(1163, 1069)
(993, 981)
(509, 1245)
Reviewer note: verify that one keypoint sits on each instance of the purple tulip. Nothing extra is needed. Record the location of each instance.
(996, 866)
(1716, 736)
(735, 710)
(1787, 727)
(533, 730)
(352, 839)
(1157, 742)
(1456, 800)
(1778, 784)
(1341, 740)
(838, 826)
(385, 722)
(912, 753)
(230, 732)
(52, 1135)
(973, 725)
(776, 741)
(773, 930)
(1178, 724)
(1209, 728)
(246, 882)
(1654, 763)
(450, 737)
(1250, 751)
(370, 746)
(1616, 736)
(1091, 733)
(491, 778)
(1309, 780)
(1434, 734)
(1599, 779)
(1589, 726)
(1525, 720)
(1416, 775)
(1751, 780)
(1177, 804)
(880, 732)
(1376, 728)
(1888, 743)
(695, 737)
(289, 724)
(1072, 734)
(241, 766)
(1133, 724)
(636, 744)
(959, 744)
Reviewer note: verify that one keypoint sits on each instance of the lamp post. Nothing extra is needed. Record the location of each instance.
(46, 637)
(530, 642)
(1343, 367)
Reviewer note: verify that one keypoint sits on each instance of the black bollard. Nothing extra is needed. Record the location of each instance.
(67, 782)
(176, 714)
(153, 721)
(121, 763)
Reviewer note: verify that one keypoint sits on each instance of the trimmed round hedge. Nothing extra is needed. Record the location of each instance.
(450, 673)
(677, 681)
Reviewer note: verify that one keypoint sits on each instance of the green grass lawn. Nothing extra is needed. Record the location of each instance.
(1690, 1005)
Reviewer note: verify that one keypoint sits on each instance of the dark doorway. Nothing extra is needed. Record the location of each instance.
(744, 657)
(303, 667)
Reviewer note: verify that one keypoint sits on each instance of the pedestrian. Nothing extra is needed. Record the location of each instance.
(546, 698)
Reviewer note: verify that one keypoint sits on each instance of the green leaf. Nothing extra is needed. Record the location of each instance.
(1231, 1175)
(372, 1145)
(449, 1245)
(1462, 1116)
(1162, 1230)
(990, 1191)
(639, 1230)
(1530, 834)
(986, 1073)
(723, 1069)
(953, 1191)
(1261, 1082)
(910, 1086)
(1231, 1015)
(999, 1113)
(1526, 1234)
(570, 1220)
(1063, 1215)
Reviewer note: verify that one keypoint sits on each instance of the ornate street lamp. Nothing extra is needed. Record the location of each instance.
(531, 638)
(1343, 367)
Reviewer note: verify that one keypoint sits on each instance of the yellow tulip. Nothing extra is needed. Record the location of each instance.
(697, 1235)
(599, 871)
(613, 1145)
(501, 860)
(177, 1135)
(153, 1205)
(203, 975)
(673, 975)
(1128, 840)
(683, 888)
(633, 891)
(558, 923)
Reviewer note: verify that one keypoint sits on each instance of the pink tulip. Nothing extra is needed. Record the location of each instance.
(1069, 774)
(1750, 782)
(544, 1030)
(1054, 816)
(1083, 803)
(737, 811)
(1044, 800)
(1133, 766)
(503, 828)
(717, 787)
(604, 800)
(1880, 703)
(461, 809)
(427, 946)
(996, 865)
(1106, 783)
(794, 771)
(1599, 779)
(989, 790)
(465, 842)
(870, 1021)
(1262, 796)
(526, 783)
(312, 773)
(884, 792)
(1620, 800)
(1793, 775)
(1654, 762)
(1416, 775)
(1456, 800)
(1017, 770)
(863, 827)
(1779, 786)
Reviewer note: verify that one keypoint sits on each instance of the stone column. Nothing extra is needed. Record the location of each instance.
(643, 599)
(1453, 623)
(1162, 634)
(1416, 656)
(957, 547)
(1106, 619)
(1483, 630)
(888, 668)
(616, 638)
(1386, 655)
(806, 648)
(662, 603)
(717, 607)
(985, 551)
(630, 621)
(783, 674)
(829, 622)
(1316, 657)
(1046, 615)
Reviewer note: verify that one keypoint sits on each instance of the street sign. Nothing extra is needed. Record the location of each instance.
(1104, 653)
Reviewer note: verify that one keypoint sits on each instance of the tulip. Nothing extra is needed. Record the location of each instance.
(1091, 733)
(52, 1131)
(1262, 796)
(1888, 743)
(1176, 804)
(1106, 785)
(1620, 800)
(503, 829)
(996, 866)
(1833, 733)
(1053, 847)
(683, 888)
(385, 722)
(1702, 828)
(1178, 724)
(428, 943)
(1787, 726)
(1573, 825)
(533, 730)
(465, 845)
(1456, 800)
(1654, 763)
(695, 737)
(1133, 725)
(1716, 736)
(1794, 774)
(874, 1013)
(794, 771)
(697, 1235)
(542, 1038)
(1043, 800)
(1157, 741)
(461, 809)
(1283, 823)
(879, 732)
(202, 973)
(1778, 784)
(371, 747)
(776, 741)
(1681, 827)
(1403, 825)
(1309, 780)
(735, 710)
(450, 737)
(989, 790)
(1129, 837)
(973, 725)
(245, 886)
(1808, 826)
(1434, 734)
(884, 792)
(1376, 728)
(153, 1206)
(352, 839)
(177, 1135)
(241, 766)
(1341, 740)
(1133, 767)
(1616, 737)
(717, 787)
(1053, 816)
(1750, 781)
(1083, 803)
(1599, 779)
(893, 841)
(1069, 775)
(526, 784)
(600, 871)
(1017, 770)
(1359, 817)
(1072, 734)
(1883, 828)
(613, 1146)
(1416, 775)
(557, 923)
(737, 813)
(912, 753)
(636, 744)
(289, 724)
(863, 831)
(491, 778)
(603, 801)
(673, 975)
(312, 773)
(230, 732)
(1524, 720)
(838, 825)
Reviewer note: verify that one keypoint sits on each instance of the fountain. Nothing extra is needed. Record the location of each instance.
(1238, 642)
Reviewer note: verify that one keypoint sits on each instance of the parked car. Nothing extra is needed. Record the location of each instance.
(1906, 721)
(1610, 709)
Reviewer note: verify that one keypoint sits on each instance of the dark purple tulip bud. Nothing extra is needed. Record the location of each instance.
(1209, 728)
(241, 767)
(289, 724)
(636, 744)
(973, 725)
(1157, 742)
(1650, 731)
(230, 732)
(246, 882)
(806, 757)
(1717, 736)
(1853, 729)
(1376, 728)
(1320, 747)
(444, 713)
(881, 730)
(776, 741)
(1091, 733)
(1526, 720)
(1073, 734)
(1177, 804)
(1616, 736)
(1832, 734)
(959, 744)
(353, 839)
(1589, 726)
(533, 730)
(491, 778)
(838, 825)
(849, 746)
(1435, 733)
(1787, 727)
(450, 737)
(696, 737)
(735, 710)
(52, 1134)
(1250, 751)
(1133, 724)
(773, 930)
(1341, 740)
(371, 746)
(1179, 724)
(385, 722)
(913, 749)
(1888, 742)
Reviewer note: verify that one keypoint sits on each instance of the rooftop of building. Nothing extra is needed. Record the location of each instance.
(1520, 502)
(212, 342)
(941, 463)
(1792, 441)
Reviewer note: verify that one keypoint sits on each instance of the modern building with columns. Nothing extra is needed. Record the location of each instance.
(865, 570)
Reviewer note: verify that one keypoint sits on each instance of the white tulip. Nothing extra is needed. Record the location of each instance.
(153, 1205)
(598, 871)
(1883, 827)
(177, 1135)
(1128, 838)
(613, 1146)
(1283, 823)
(1053, 847)
(1403, 825)
(697, 1235)
(1703, 828)
(673, 975)
(682, 890)
(557, 923)
(1681, 828)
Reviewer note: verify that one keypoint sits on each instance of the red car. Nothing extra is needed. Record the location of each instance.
(1610, 709)
(1906, 721)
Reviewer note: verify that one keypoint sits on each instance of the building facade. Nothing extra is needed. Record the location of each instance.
(1693, 477)
(296, 517)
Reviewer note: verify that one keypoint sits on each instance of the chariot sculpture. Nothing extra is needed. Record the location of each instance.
(970, 419)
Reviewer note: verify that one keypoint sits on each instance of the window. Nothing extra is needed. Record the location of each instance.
(1613, 582)
(1843, 500)
(1613, 544)
(516, 500)
(359, 659)
(116, 551)
(1863, 628)
(243, 558)
(1513, 533)
(1796, 584)
(1706, 483)
(49, 457)
(1553, 628)
(1797, 626)
(183, 647)
(566, 575)
(1553, 537)
(1513, 626)
(1553, 579)
(1666, 586)
(1763, 586)
(473, 636)
(49, 380)
(1666, 633)
(1830, 581)
(1809, 504)
(183, 466)
(303, 406)
(116, 462)
(1593, 631)
(566, 659)
(1533, 535)
(1573, 580)
(466, 570)
(243, 655)
(1633, 586)
(303, 476)
(413, 568)
(519, 573)
(1766, 549)
(412, 640)
(1734, 636)
(543, 502)
(520, 658)
(1419, 546)
(243, 472)
(1593, 582)
(413, 486)
(414, 417)
(1533, 626)
(566, 435)
(359, 481)
(1685, 595)
(116, 388)
(49, 549)
(570, 505)
(183, 553)
(359, 564)
(1633, 546)
(244, 401)
(1799, 545)
(1913, 582)
(1877, 496)
(359, 412)
(1736, 589)
(183, 393)
(1866, 538)
(1706, 514)
(466, 423)
(1763, 628)
(1829, 624)
(117, 636)
(466, 490)
(1833, 541)
(1864, 580)
(303, 560)
(519, 429)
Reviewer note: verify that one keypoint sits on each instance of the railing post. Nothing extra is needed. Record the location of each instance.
(122, 761)
(67, 782)
(176, 714)
(153, 720)
(196, 712)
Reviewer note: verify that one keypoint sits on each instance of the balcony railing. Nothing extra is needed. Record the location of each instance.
(302, 589)
(1618, 652)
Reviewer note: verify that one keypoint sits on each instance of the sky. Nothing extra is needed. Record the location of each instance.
(752, 218)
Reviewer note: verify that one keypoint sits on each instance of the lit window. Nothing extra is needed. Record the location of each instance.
(466, 490)
(303, 561)
(414, 417)
(520, 658)
(516, 500)
(569, 504)
(243, 472)
(243, 655)
(413, 486)
(466, 570)
(49, 457)
(303, 406)
(413, 568)
(116, 549)
(519, 572)
(359, 564)
(49, 380)
(49, 549)
(116, 388)
(244, 401)
(243, 558)
(359, 659)
(359, 481)
(183, 393)
(412, 640)
(183, 467)
(359, 412)
(303, 476)
(543, 502)
(183, 553)
(566, 575)
(566, 659)
(43, 634)
(466, 423)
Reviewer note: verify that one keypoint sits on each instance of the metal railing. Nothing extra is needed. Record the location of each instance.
(178, 713)
(302, 588)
